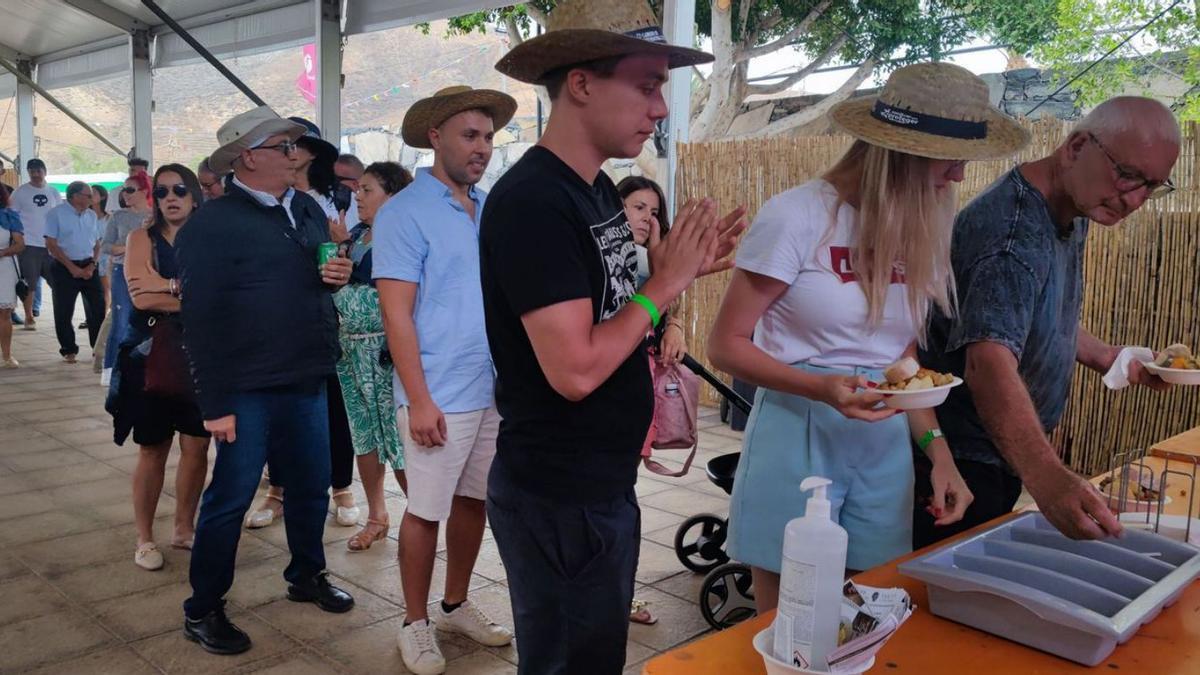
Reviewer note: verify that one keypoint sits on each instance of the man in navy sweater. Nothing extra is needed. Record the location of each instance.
(261, 335)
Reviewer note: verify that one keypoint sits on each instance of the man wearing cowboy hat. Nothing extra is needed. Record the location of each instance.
(426, 266)
(261, 335)
(1017, 253)
(567, 326)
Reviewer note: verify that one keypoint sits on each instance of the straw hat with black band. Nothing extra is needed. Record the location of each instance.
(246, 131)
(935, 110)
(430, 113)
(578, 31)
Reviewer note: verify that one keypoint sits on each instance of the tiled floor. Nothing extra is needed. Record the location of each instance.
(72, 601)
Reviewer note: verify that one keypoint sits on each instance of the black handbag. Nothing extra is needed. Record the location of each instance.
(22, 286)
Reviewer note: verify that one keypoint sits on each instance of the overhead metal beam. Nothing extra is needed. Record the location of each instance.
(108, 14)
(329, 70)
(11, 54)
(202, 51)
(24, 78)
(245, 9)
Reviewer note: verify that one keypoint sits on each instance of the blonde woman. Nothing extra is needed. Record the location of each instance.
(832, 284)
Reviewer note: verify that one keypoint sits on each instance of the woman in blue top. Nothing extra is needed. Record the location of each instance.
(12, 242)
(365, 369)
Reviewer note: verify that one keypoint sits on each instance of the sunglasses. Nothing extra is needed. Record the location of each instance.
(129, 190)
(179, 189)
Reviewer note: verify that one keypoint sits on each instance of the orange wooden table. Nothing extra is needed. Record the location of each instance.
(928, 645)
(1186, 445)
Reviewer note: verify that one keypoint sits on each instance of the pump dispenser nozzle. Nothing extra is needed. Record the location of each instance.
(818, 503)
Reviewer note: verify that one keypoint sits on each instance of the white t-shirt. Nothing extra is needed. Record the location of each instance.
(821, 319)
(33, 203)
(331, 211)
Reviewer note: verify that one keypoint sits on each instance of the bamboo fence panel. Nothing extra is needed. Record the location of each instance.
(1140, 277)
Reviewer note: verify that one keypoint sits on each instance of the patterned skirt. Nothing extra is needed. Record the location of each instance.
(366, 383)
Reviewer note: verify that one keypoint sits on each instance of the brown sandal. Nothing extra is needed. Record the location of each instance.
(363, 539)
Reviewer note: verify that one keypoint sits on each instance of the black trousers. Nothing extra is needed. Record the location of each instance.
(66, 289)
(996, 492)
(571, 576)
(341, 445)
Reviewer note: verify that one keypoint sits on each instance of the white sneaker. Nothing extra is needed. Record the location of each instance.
(470, 621)
(419, 649)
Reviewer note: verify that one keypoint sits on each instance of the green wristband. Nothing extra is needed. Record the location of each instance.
(650, 308)
(929, 438)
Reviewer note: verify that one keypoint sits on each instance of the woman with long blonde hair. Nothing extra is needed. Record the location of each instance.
(832, 284)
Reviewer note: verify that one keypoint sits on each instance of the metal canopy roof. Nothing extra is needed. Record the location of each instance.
(78, 41)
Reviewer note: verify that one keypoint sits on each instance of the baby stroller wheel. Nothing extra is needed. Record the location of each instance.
(700, 542)
(727, 596)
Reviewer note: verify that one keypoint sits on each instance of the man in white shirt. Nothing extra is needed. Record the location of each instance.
(32, 201)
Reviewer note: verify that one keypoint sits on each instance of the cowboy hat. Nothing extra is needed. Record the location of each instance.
(935, 110)
(247, 130)
(578, 31)
(429, 113)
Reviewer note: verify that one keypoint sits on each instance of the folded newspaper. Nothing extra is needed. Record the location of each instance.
(869, 618)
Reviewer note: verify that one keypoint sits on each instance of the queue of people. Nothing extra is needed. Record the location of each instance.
(494, 350)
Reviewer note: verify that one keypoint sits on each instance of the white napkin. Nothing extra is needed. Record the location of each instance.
(1118, 376)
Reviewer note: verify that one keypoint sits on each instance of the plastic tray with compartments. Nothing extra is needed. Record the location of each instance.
(1025, 581)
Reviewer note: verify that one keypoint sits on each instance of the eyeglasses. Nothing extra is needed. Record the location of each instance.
(347, 179)
(286, 147)
(1132, 180)
(179, 189)
(129, 190)
(208, 186)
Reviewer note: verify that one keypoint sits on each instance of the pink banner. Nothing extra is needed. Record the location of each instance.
(306, 82)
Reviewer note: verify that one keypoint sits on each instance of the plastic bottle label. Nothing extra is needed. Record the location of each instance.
(794, 634)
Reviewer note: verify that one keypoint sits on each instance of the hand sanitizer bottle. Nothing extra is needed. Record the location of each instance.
(810, 583)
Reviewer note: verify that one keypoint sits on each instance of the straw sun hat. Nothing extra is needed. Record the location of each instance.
(578, 31)
(247, 130)
(429, 113)
(935, 110)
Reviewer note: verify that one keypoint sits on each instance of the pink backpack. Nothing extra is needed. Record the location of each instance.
(676, 401)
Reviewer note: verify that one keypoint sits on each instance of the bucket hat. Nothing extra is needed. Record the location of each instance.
(246, 130)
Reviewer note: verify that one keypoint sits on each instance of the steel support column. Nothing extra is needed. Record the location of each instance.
(329, 70)
(26, 143)
(679, 27)
(141, 98)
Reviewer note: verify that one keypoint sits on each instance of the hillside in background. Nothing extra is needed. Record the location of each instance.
(385, 72)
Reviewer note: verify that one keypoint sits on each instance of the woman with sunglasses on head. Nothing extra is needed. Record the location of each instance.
(133, 216)
(365, 369)
(151, 274)
(833, 283)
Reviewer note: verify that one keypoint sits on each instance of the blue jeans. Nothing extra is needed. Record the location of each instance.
(290, 427)
(570, 576)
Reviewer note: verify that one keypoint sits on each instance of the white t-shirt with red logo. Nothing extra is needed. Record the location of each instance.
(821, 319)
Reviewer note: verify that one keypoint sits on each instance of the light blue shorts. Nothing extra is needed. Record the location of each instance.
(789, 438)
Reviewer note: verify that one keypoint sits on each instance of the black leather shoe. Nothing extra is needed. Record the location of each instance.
(326, 596)
(215, 633)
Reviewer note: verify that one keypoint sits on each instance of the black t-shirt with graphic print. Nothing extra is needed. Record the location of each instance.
(547, 236)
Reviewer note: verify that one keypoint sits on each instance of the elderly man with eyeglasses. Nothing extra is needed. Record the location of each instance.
(1017, 252)
(261, 334)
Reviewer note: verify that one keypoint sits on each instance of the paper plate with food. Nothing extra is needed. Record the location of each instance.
(1140, 494)
(911, 387)
(1177, 365)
